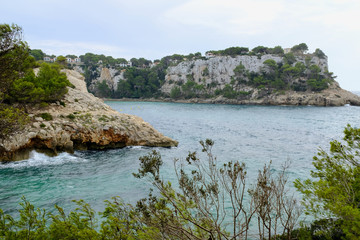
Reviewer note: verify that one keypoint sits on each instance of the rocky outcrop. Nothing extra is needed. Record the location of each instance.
(110, 75)
(217, 72)
(80, 121)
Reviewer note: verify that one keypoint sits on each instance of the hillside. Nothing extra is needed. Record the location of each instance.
(234, 75)
(80, 121)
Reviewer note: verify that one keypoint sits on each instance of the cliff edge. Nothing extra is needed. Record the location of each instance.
(264, 80)
(81, 121)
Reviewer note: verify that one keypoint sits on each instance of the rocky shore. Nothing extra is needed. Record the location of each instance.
(81, 121)
(333, 96)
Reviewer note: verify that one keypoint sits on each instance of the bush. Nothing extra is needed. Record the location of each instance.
(71, 116)
(11, 120)
(48, 86)
(334, 188)
(46, 116)
(175, 93)
(318, 84)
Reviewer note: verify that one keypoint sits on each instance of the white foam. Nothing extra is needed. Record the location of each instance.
(39, 159)
(135, 147)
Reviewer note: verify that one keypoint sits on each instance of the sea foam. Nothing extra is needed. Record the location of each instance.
(39, 159)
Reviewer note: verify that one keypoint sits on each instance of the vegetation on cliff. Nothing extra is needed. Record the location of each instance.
(19, 85)
(214, 201)
(143, 78)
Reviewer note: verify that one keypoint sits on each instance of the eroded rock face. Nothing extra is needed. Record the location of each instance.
(110, 75)
(85, 122)
(220, 70)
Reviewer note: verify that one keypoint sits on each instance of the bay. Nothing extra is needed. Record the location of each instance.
(255, 135)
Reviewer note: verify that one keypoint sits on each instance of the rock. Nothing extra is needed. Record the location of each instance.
(88, 129)
(220, 71)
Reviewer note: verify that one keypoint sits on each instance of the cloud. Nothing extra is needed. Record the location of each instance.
(233, 17)
(334, 15)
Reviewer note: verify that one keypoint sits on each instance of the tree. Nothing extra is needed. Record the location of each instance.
(233, 51)
(277, 50)
(11, 120)
(37, 54)
(15, 62)
(210, 196)
(48, 86)
(260, 50)
(14, 57)
(175, 92)
(289, 58)
(71, 56)
(103, 89)
(61, 60)
(301, 48)
(319, 53)
(240, 72)
(334, 190)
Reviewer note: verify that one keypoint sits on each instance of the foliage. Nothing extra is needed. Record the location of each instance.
(46, 116)
(15, 60)
(191, 89)
(229, 92)
(277, 50)
(71, 56)
(231, 51)
(71, 116)
(260, 50)
(334, 190)
(301, 48)
(61, 60)
(91, 59)
(319, 53)
(175, 93)
(205, 72)
(207, 194)
(37, 54)
(140, 83)
(289, 58)
(11, 120)
(103, 90)
(211, 200)
(48, 86)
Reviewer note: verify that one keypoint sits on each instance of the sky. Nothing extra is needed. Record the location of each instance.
(157, 28)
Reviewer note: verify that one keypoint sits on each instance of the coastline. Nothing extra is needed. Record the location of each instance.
(325, 99)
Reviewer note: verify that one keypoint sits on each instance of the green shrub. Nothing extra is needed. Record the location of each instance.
(104, 118)
(48, 86)
(318, 84)
(11, 119)
(43, 104)
(71, 116)
(175, 93)
(46, 116)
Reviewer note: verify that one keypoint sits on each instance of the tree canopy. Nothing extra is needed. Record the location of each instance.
(18, 83)
(333, 192)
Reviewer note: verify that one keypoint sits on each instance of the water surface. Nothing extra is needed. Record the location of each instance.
(253, 134)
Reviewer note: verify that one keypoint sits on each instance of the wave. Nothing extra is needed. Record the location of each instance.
(39, 159)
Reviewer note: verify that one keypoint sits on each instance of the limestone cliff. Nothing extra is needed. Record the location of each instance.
(110, 75)
(215, 73)
(81, 121)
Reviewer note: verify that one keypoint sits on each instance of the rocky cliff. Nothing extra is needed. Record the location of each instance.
(111, 77)
(259, 82)
(80, 121)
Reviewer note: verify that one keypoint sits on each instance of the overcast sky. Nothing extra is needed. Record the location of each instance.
(157, 28)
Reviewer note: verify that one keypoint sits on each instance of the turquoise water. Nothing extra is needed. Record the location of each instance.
(252, 134)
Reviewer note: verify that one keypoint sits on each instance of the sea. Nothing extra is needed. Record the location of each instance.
(255, 135)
